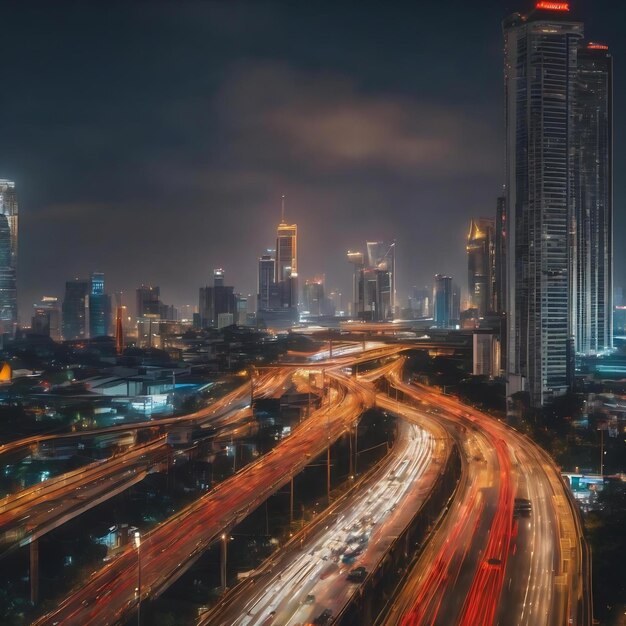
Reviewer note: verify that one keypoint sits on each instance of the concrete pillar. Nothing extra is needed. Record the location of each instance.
(34, 571)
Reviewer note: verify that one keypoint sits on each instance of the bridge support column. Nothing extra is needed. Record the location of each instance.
(328, 473)
(34, 571)
(291, 503)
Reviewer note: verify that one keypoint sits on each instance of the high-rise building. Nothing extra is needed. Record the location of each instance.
(46, 318)
(99, 307)
(215, 300)
(148, 301)
(540, 84)
(443, 301)
(8, 257)
(287, 264)
(592, 266)
(374, 291)
(499, 295)
(558, 199)
(267, 271)
(75, 309)
(313, 296)
(481, 265)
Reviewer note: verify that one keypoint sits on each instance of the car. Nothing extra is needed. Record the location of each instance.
(310, 599)
(494, 563)
(323, 618)
(357, 575)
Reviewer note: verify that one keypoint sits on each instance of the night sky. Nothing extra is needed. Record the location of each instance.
(153, 140)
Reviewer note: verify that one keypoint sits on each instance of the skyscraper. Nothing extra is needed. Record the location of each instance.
(374, 282)
(267, 271)
(481, 265)
(558, 199)
(75, 305)
(540, 83)
(46, 318)
(443, 301)
(148, 301)
(99, 307)
(215, 300)
(8, 256)
(286, 268)
(593, 201)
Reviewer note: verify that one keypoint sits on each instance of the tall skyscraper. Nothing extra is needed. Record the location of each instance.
(46, 318)
(540, 82)
(99, 307)
(374, 282)
(443, 301)
(313, 297)
(216, 300)
(267, 272)
(286, 268)
(75, 305)
(593, 201)
(8, 256)
(481, 265)
(148, 301)
(558, 199)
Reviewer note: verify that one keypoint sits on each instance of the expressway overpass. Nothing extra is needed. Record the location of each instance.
(309, 575)
(481, 565)
(168, 550)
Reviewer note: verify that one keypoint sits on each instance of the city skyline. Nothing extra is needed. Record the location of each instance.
(333, 213)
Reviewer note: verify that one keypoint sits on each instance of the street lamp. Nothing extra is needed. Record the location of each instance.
(138, 546)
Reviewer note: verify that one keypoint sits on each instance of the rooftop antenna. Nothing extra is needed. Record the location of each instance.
(282, 209)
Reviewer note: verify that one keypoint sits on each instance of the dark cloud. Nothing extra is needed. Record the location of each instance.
(153, 140)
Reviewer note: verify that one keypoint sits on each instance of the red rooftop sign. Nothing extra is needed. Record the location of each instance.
(552, 6)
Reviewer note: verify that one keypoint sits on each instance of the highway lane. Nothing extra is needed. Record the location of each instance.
(168, 550)
(309, 575)
(539, 580)
(443, 575)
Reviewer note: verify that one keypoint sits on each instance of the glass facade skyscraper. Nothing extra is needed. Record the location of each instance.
(99, 307)
(75, 309)
(540, 81)
(480, 265)
(8, 257)
(558, 199)
(593, 201)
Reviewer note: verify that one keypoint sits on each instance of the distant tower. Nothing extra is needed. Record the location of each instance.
(480, 265)
(443, 301)
(8, 257)
(75, 307)
(287, 261)
(99, 307)
(267, 272)
(119, 325)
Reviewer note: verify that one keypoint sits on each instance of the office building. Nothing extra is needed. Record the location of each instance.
(592, 266)
(266, 274)
(540, 82)
(148, 301)
(75, 309)
(481, 269)
(443, 301)
(558, 199)
(99, 307)
(215, 300)
(373, 282)
(286, 268)
(313, 297)
(8, 257)
(46, 318)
